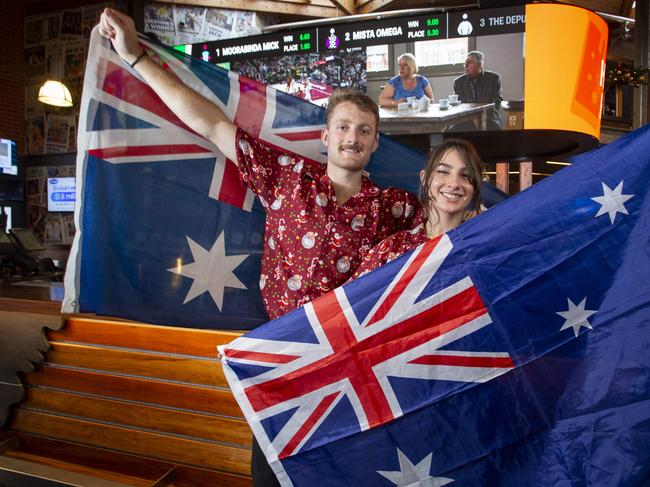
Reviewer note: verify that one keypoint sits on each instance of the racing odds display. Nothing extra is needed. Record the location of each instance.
(362, 34)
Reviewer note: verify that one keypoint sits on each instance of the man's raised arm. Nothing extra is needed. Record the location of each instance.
(197, 112)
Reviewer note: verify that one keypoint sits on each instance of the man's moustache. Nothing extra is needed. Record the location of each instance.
(351, 146)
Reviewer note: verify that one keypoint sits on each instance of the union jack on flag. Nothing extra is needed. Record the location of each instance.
(166, 231)
(511, 351)
(397, 331)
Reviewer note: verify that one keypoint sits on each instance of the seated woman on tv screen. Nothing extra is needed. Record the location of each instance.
(407, 83)
(450, 195)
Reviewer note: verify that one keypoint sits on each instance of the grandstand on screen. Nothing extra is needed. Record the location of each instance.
(313, 76)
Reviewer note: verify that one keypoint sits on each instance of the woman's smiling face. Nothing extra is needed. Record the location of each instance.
(450, 186)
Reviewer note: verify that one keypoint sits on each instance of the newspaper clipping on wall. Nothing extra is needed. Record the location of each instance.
(175, 25)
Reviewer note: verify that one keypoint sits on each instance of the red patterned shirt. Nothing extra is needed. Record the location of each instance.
(312, 245)
(391, 248)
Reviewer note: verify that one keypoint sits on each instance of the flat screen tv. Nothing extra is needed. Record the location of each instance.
(61, 193)
(8, 157)
(550, 60)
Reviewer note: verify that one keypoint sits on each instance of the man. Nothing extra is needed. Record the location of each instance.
(319, 219)
(478, 85)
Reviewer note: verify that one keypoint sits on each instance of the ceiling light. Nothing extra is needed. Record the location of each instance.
(55, 93)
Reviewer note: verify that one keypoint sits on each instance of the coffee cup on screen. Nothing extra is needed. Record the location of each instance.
(444, 103)
(453, 99)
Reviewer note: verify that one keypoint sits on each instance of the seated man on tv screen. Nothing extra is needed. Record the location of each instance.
(479, 85)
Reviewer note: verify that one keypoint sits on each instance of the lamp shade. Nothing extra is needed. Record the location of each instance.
(55, 93)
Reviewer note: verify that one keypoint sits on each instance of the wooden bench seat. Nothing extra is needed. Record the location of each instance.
(133, 404)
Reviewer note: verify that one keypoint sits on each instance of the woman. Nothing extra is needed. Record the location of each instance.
(407, 83)
(449, 193)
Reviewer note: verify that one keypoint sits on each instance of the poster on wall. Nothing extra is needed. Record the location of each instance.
(57, 133)
(42, 28)
(218, 24)
(35, 133)
(35, 65)
(177, 25)
(188, 22)
(52, 226)
(159, 20)
(35, 30)
(72, 137)
(71, 24)
(54, 59)
(53, 27)
(74, 58)
(34, 194)
(246, 24)
(35, 198)
(33, 107)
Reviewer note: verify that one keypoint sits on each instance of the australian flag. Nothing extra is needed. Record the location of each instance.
(512, 351)
(166, 232)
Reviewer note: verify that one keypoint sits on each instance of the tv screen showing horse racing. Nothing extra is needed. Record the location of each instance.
(485, 67)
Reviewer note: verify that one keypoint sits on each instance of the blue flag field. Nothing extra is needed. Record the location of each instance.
(512, 351)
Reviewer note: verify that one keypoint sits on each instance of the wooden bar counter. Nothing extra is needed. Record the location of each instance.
(114, 402)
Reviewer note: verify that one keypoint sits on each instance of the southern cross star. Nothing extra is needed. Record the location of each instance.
(410, 475)
(211, 270)
(612, 201)
(576, 316)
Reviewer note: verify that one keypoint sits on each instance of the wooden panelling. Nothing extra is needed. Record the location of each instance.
(347, 6)
(7, 442)
(195, 477)
(28, 300)
(151, 365)
(49, 475)
(164, 447)
(119, 467)
(134, 404)
(129, 469)
(146, 417)
(182, 341)
(372, 5)
(194, 398)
